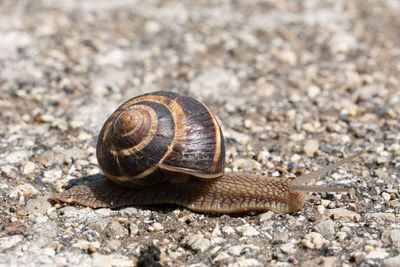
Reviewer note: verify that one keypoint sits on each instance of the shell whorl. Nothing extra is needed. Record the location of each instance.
(160, 132)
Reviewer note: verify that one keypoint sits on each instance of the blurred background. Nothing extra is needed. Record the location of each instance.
(271, 71)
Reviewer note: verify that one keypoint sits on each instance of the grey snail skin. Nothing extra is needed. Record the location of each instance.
(168, 148)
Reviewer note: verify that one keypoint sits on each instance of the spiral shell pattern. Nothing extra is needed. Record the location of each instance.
(157, 133)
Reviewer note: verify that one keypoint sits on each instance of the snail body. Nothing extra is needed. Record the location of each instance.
(168, 148)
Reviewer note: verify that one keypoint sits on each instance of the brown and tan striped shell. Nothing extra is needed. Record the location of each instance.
(152, 135)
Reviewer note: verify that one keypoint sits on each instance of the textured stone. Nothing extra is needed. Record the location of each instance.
(197, 242)
(38, 205)
(247, 230)
(326, 228)
(313, 240)
(9, 241)
(310, 147)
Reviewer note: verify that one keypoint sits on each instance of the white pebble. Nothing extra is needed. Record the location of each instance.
(244, 262)
(47, 117)
(266, 216)
(291, 114)
(310, 147)
(295, 157)
(381, 160)
(286, 56)
(158, 226)
(377, 254)
(265, 88)
(248, 124)
(9, 241)
(227, 230)
(197, 242)
(246, 164)
(288, 248)
(395, 148)
(313, 91)
(48, 251)
(325, 202)
(386, 196)
(81, 244)
(216, 231)
(134, 229)
(263, 156)
(28, 167)
(395, 237)
(342, 42)
(222, 257)
(344, 213)
(111, 260)
(150, 228)
(247, 230)
(313, 240)
(341, 236)
(236, 250)
(321, 209)
(392, 262)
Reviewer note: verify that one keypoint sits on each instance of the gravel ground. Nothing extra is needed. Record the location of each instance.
(295, 85)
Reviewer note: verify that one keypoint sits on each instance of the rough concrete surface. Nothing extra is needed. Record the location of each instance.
(295, 85)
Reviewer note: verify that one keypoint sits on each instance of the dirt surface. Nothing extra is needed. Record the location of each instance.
(295, 85)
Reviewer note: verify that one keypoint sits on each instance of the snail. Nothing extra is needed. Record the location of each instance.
(168, 148)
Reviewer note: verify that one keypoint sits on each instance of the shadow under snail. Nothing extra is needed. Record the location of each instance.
(165, 147)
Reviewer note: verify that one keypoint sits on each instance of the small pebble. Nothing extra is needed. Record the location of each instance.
(395, 149)
(326, 228)
(344, 213)
(115, 229)
(288, 248)
(310, 147)
(313, 240)
(341, 236)
(385, 196)
(246, 164)
(197, 242)
(216, 231)
(325, 202)
(222, 257)
(248, 124)
(313, 91)
(111, 260)
(321, 261)
(266, 216)
(395, 237)
(381, 216)
(295, 157)
(81, 244)
(244, 262)
(236, 250)
(382, 160)
(38, 205)
(377, 254)
(227, 230)
(158, 226)
(10, 241)
(28, 167)
(392, 262)
(247, 230)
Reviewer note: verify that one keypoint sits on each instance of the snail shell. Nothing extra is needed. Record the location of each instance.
(151, 135)
(165, 147)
